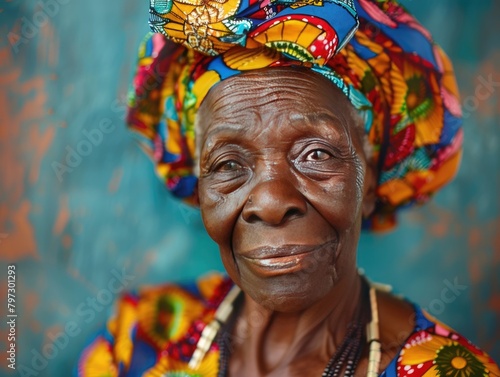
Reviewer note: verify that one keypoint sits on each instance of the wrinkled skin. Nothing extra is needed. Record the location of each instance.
(283, 185)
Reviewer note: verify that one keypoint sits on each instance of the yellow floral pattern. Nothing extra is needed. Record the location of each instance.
(439, 352)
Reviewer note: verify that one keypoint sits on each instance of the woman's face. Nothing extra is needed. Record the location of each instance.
(282, 184)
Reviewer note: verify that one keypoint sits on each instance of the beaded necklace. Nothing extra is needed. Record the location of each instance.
(346, 356)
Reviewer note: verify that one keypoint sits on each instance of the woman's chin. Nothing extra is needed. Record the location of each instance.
(288, 292)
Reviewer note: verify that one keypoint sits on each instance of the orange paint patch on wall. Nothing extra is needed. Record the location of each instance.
(7, 59)
(4, 343)
(439, 229)
(34, 104)
(494, 303)
(52, 332)
(486, 90)
(475, 258)
(10, 165)
(22, 147)
(115, 180)
(474, 238)
(474, 271)
(12, 175)
(62, 216)
(30, 93)
(67, 241)
(48, 47)
(31, 301)
(89, 286)
(40, 142)
(496, 242)
(20, 243)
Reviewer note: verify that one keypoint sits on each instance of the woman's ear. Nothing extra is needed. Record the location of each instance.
(369, 191)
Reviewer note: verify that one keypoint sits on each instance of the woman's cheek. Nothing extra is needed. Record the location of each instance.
(339, 203)
(218, 213)
(229, 263)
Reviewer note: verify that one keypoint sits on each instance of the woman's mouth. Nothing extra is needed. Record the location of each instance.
(270, 261)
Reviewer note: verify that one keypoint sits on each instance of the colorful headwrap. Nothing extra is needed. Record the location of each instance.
(383, 60)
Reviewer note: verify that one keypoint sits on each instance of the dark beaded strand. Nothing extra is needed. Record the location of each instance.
(348, 354)
(223, 358)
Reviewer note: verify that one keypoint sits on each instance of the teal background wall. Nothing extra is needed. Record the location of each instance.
(65, 67)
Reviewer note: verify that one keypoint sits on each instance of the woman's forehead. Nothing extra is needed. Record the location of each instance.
(276, 109)
(268, 80)
(261, 96)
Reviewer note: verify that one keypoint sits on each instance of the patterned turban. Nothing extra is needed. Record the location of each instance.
(381, 58)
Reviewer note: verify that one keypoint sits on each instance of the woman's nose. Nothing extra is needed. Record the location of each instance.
(274, 202)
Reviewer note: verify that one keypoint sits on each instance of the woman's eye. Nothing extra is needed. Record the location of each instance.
(229, 166)
(318, 155)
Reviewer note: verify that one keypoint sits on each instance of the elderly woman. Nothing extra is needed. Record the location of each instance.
(292, 125)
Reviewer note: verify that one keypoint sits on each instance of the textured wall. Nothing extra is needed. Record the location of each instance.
(65, 66)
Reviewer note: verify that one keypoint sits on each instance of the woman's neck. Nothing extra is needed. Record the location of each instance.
(267, 342)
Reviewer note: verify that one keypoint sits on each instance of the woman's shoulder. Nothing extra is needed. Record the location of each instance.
(151, 322)
(434, 349)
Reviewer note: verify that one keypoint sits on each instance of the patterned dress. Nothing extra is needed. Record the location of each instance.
(155, 332)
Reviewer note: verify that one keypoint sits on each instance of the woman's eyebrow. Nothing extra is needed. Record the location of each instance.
(227, 128)
(315, 117)
(214, 139)
(322, 121)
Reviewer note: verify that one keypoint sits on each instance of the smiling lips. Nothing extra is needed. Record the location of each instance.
(269, 261)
